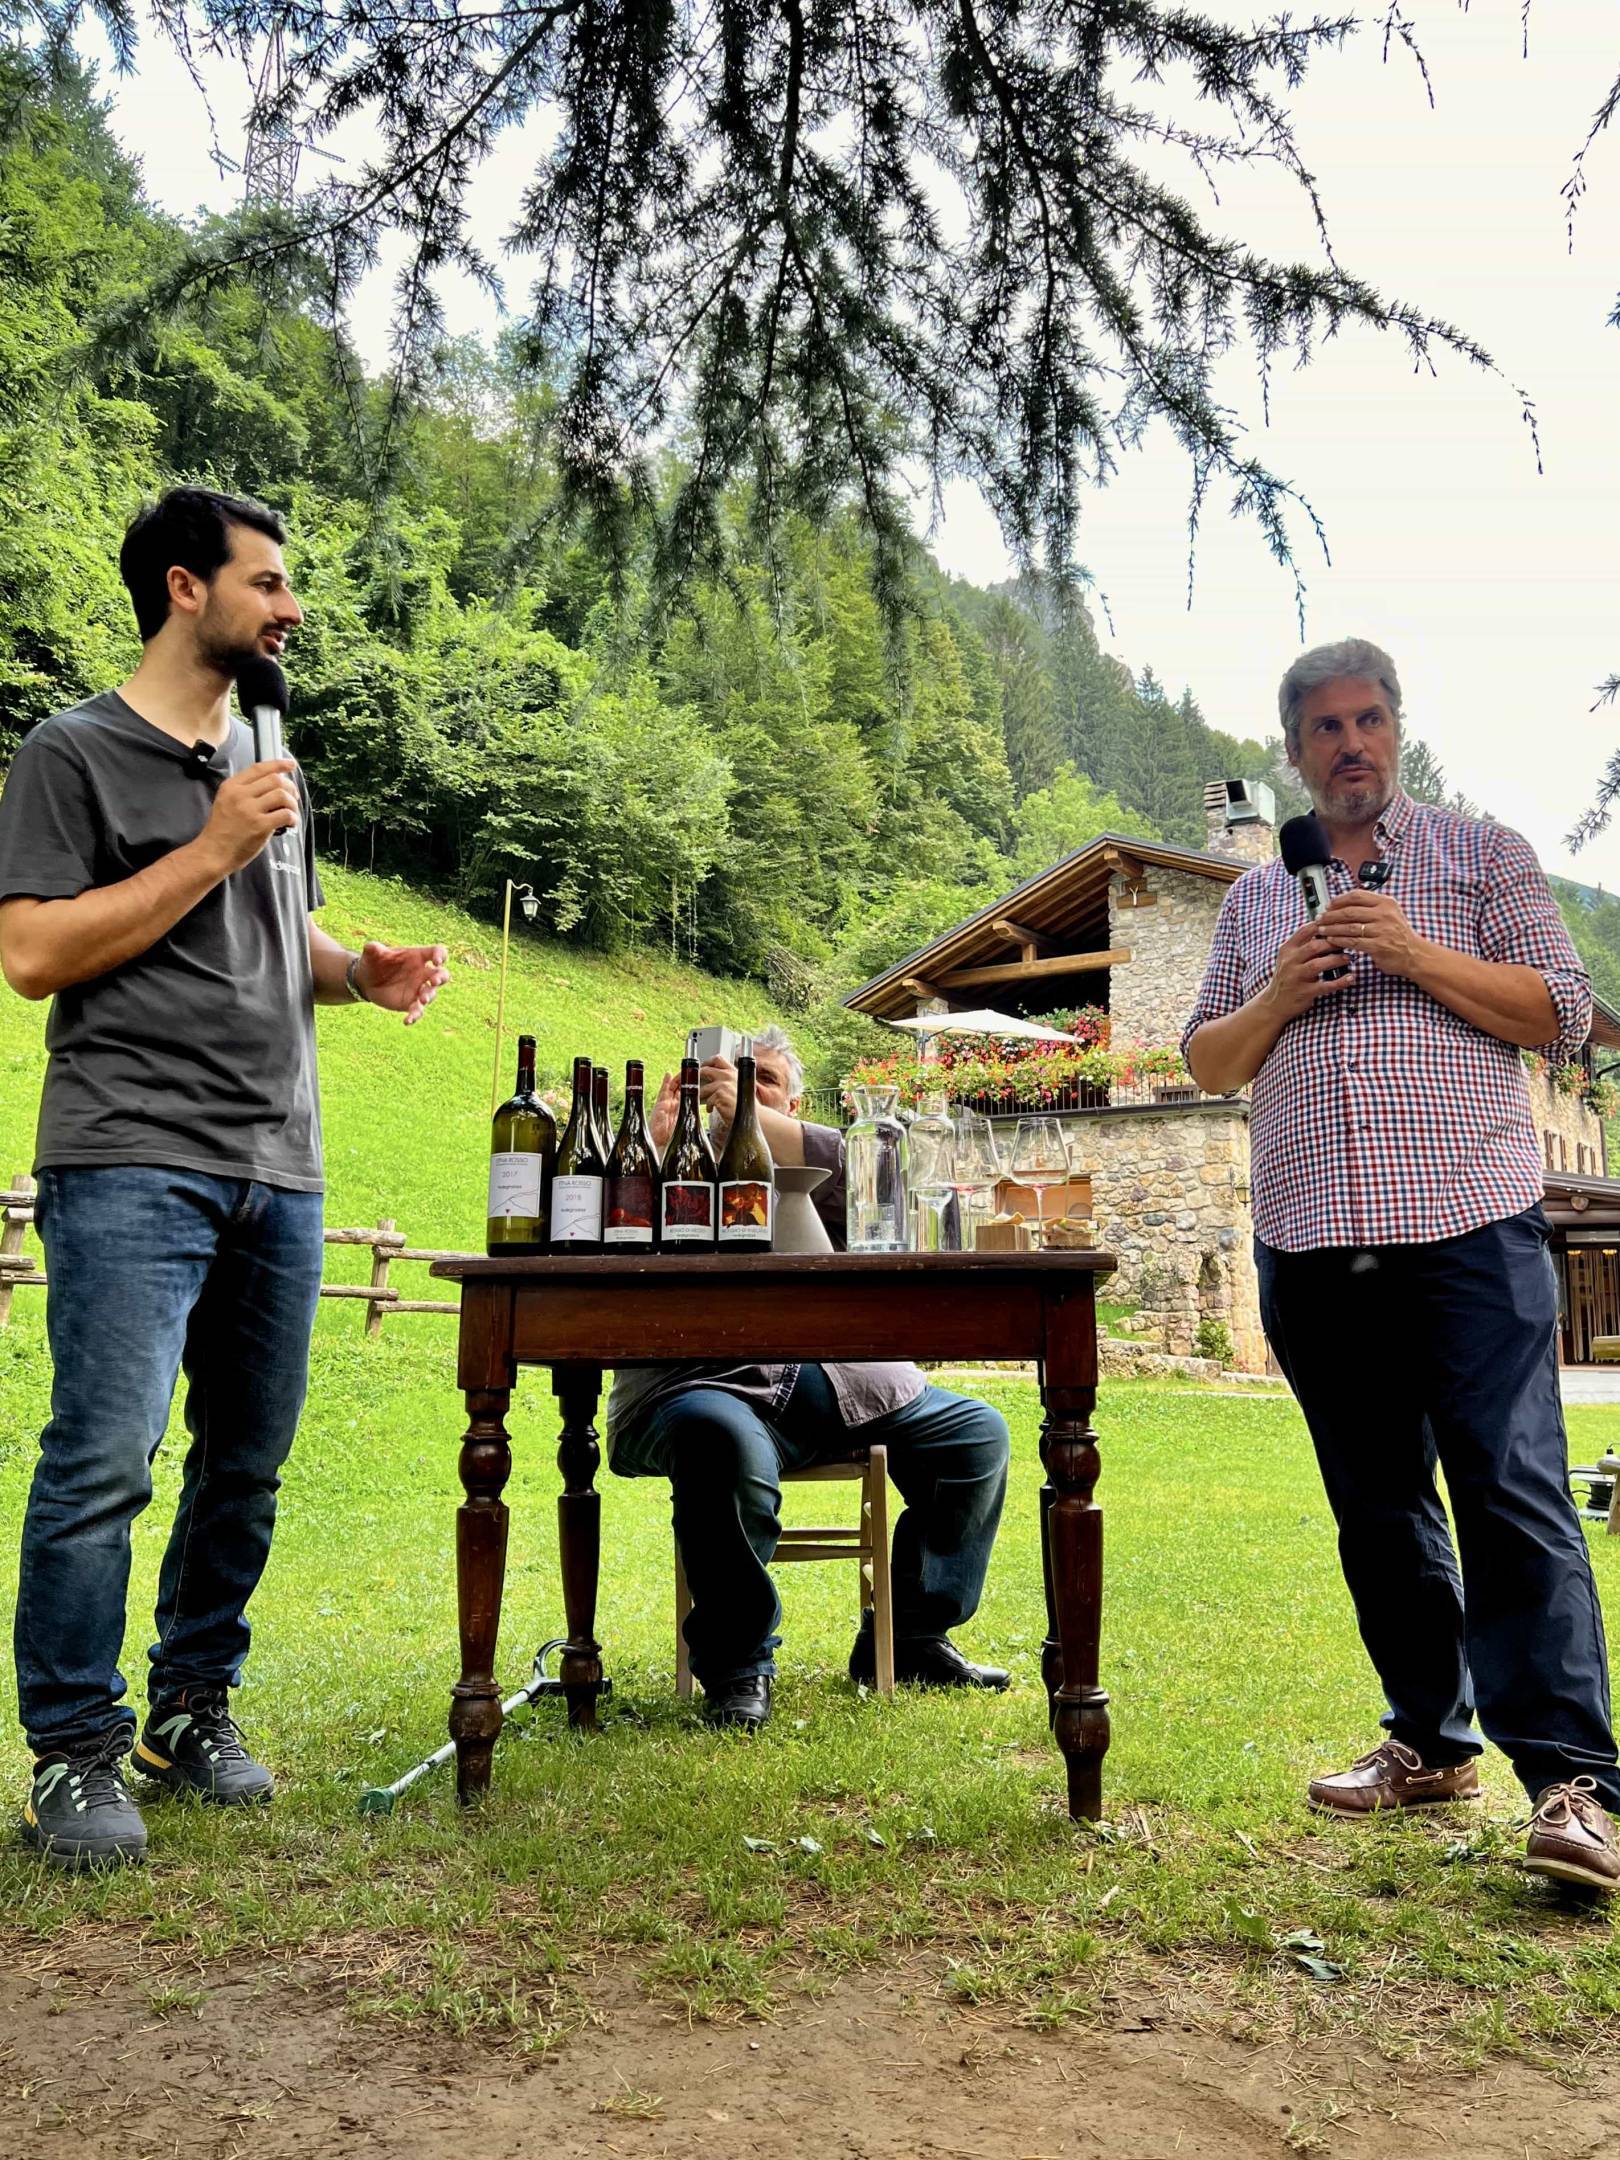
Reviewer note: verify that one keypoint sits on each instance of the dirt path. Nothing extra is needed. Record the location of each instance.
(267, 2065)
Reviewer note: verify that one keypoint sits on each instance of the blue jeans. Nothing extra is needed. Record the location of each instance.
(1407, 1356)
(153, 1270)
(947, 1456)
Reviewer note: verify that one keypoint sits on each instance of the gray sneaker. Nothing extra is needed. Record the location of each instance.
(191, 1744)
(79, 1813)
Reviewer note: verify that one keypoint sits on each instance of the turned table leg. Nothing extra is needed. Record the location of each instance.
(579, 1537)
(1074, 1526)
(475, 1700)
(1051, 1649)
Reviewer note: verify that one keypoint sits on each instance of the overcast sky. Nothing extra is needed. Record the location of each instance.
(1495, 588)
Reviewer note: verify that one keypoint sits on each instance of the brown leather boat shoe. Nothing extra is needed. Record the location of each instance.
(1572, 1839)
(1392, 1776)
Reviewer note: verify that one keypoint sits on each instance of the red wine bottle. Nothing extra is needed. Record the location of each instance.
(631, 1195)
(747, 1173)
(689, 1196)
(576, 1188)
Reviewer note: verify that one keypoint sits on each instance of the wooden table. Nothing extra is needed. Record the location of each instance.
(579, 1316)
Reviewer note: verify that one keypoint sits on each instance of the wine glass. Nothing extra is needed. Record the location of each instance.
(977, 1167)
(1040, 1158)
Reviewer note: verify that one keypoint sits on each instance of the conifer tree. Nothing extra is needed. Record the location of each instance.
(813, 240)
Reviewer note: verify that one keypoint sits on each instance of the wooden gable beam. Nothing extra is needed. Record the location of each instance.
(1031, 944)
(1133, 871)
(1004, 971)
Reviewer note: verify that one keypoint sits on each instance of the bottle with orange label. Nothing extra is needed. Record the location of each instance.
(747, 1172)
(688, 1196)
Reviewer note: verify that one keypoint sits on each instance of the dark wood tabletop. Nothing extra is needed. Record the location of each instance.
(581, 1316)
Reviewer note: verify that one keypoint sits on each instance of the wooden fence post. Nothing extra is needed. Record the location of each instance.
(17, 1218)
(380, 1255)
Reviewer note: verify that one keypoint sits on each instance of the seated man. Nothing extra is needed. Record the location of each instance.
(723, 1435)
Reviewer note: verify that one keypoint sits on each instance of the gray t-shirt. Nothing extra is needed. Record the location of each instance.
(199, 1054)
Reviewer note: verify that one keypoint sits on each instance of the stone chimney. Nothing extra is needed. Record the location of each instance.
(1240, 817)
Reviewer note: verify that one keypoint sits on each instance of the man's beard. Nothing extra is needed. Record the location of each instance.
(226, 657)
(1355, 799)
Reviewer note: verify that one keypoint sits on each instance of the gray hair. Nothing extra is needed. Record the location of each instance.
(1331, 663)
(779, 1040)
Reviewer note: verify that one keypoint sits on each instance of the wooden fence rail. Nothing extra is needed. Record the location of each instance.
(388, 1244)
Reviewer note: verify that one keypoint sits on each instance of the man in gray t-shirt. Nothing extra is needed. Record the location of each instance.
(156, 882)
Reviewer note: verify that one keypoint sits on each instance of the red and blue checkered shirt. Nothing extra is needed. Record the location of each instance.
(1381, 1117)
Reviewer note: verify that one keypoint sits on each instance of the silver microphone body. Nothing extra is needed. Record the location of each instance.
(267, 741)
(1313, 883)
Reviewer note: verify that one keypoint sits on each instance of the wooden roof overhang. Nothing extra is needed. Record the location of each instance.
(1605, 1033)
(1582, 1203)
(1052, 925)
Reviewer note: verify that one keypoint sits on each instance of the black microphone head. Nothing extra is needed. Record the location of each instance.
(260, 682)
(1303, 843)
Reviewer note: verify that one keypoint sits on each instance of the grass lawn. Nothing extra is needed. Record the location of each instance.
(926, 1834)
(926, 1831)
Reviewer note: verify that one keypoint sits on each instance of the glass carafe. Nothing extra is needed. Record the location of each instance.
(875, 1173)
(936, 1218)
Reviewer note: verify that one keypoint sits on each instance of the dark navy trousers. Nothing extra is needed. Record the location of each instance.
(947, 1456)
(1405, 1356)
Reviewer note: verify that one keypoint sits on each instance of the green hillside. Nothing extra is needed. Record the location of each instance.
(407, 1109)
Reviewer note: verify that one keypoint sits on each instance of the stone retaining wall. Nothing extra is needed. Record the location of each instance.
(1170, 1192)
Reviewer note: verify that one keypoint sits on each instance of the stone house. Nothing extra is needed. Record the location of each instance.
(1126, 924)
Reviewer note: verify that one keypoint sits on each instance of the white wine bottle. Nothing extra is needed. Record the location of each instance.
(601, 1122)
(576, 1189)
(522, 1156)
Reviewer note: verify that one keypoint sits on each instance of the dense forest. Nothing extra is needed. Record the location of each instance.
(767, 778)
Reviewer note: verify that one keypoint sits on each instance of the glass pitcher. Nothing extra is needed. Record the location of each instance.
(875, 1173)
(936, 1216)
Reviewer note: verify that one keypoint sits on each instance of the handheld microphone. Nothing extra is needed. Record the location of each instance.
(1306, 854)
(261, 689)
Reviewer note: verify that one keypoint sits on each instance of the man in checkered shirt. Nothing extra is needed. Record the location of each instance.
(1405, 1282)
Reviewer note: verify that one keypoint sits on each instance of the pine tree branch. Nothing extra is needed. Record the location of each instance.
(746, 251)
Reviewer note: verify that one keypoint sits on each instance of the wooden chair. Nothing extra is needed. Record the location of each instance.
(866, 1541)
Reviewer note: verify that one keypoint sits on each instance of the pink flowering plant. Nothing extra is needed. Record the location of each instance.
(1601, 1097)
(1088, 1022)
(1004, 1074)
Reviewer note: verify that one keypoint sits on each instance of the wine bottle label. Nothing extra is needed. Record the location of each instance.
(688, 1215)
(629, 1212)
(746, 1208)
(514, 1184)
(576, 1211)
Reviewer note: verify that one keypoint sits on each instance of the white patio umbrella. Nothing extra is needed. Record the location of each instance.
(980, 1023)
